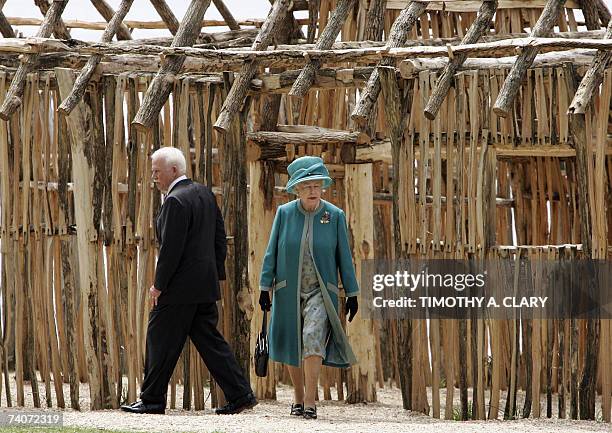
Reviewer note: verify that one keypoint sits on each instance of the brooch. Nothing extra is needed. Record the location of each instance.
(325, 218)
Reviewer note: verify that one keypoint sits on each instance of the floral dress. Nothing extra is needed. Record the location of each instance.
(315, 325)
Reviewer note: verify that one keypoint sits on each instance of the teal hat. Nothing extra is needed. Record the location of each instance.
(305, 169)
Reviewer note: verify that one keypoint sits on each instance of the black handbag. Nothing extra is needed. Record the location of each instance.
(261, 349)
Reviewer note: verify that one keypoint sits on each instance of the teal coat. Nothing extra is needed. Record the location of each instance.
(281, 271)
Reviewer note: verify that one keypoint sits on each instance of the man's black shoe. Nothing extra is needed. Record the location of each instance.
(142, 407)
(237, 406)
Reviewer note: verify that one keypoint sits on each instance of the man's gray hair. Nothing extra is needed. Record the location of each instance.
(172, 156)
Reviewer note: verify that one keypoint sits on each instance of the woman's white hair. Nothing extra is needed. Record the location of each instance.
(171, 156)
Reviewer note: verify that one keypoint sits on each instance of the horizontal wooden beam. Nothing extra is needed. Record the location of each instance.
(136, 24)
(381, 151)
(302, 134)
(429, 199)
(228, 58)
(433, 42)
(473, 5)
(409, 68)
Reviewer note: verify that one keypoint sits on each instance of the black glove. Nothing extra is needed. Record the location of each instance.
(264, 301)
(351, 307)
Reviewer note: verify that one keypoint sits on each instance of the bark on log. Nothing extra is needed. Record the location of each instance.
(510, 88)
(15, 92)
(604, 12)
(313, 19)
(239, 89)
(592, 79)
(151, 25)
(295, 57)
(162, 84)
(123, 33)
(480, 26)
(300, 5)
(411, 67)
(590, 11)
(397, 37)
(326, 40)
(60, 31)
(313, 135)
(87, 72)
(226, 14)
(375, 20)
(5, 27)
(291, 26)
(222, 59)
(166, 15)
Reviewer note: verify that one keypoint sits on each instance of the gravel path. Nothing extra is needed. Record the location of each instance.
(386, 415)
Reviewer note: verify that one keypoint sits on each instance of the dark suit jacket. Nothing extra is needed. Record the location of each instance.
(193, 247)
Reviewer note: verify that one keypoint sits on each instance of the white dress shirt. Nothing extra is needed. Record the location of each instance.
(174, 182)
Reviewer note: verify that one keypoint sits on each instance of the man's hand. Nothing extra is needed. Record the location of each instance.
(154, 293)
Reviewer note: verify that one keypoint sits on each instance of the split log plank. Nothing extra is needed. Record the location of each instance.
(325, 42)
(510, 88)
(359, 195)
(107, 12)
(83, 168)
(592, 79)
(87, 72)
(163, 83)
(15, 92)
(479, 27)
(239, 89)
(397, 37)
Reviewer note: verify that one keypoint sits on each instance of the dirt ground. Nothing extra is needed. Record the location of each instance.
(386, 415)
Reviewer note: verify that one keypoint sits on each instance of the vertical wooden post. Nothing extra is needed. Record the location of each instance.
(6, 253)
(234, 208)
(261, 215)
(360, 215)
(83, 168)
(404, 222)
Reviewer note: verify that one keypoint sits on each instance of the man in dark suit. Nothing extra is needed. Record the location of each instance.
(190, 264)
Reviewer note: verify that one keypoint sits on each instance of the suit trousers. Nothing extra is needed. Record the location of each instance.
(169, 326)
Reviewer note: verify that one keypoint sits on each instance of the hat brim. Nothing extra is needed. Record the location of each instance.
(290, 187)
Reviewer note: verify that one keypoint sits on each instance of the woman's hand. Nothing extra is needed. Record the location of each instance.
(264, 301)
(351, 307)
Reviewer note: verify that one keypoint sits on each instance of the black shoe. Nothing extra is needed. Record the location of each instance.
(246, 402)
(142, 407)
(297, 409)
(310, 413)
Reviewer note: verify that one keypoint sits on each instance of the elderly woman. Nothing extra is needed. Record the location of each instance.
(308, 246)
